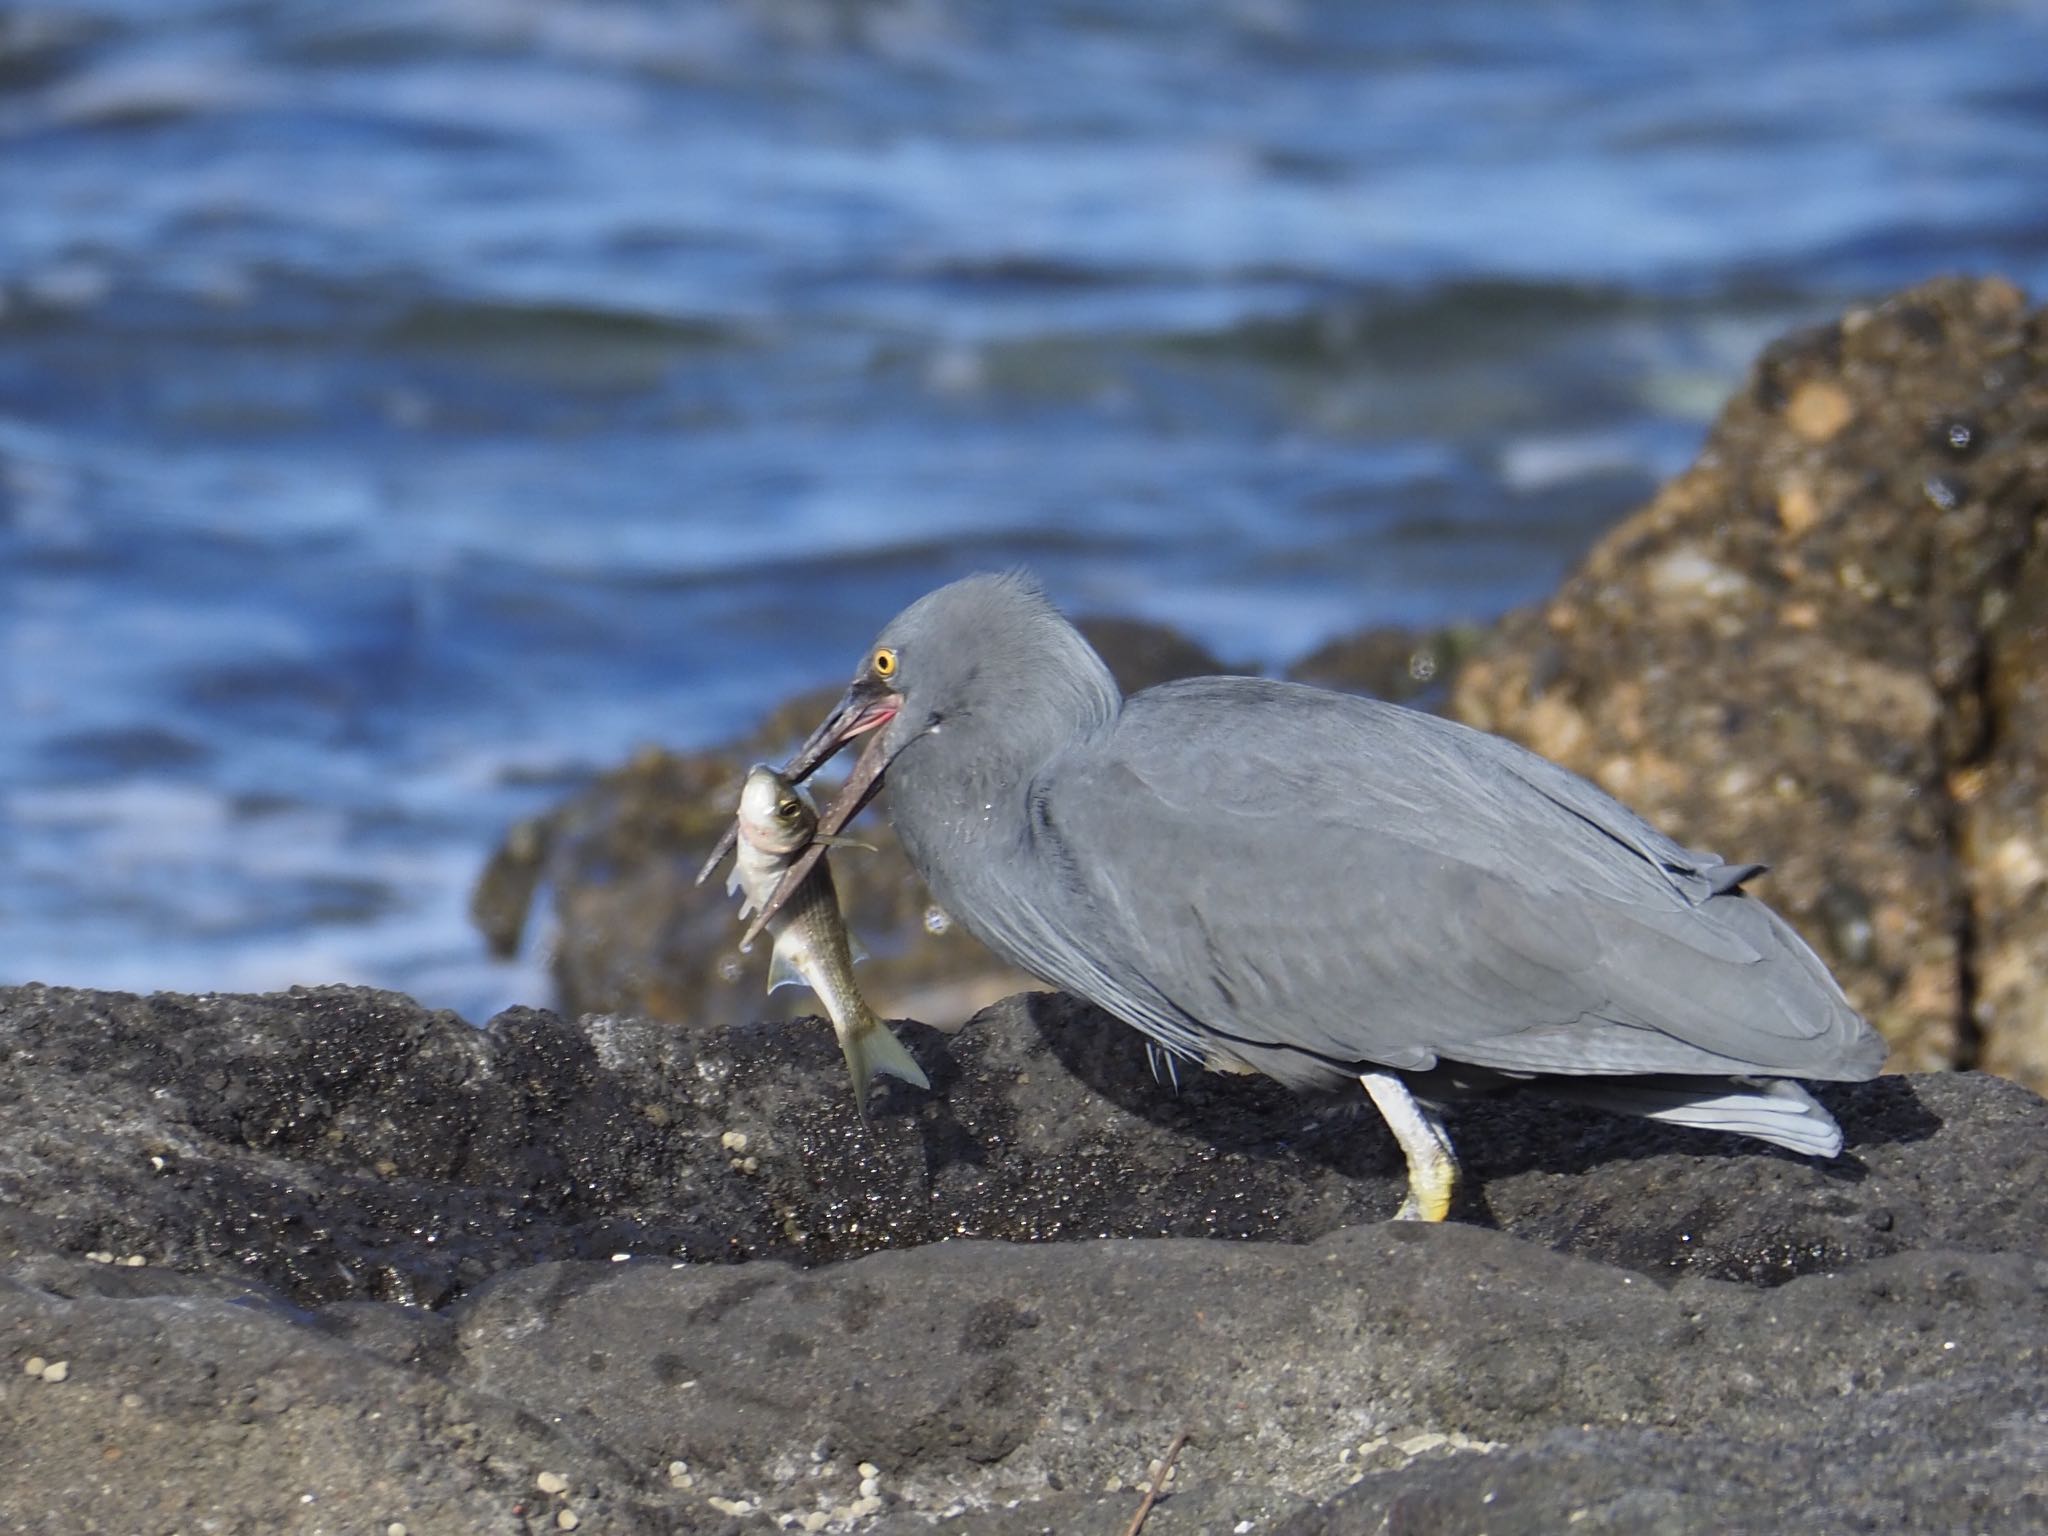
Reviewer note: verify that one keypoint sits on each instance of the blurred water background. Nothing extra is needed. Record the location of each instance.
(409, 406)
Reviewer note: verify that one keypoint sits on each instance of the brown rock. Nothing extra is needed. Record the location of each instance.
(1798, 508)
(1818, 410)
(1807, 641)
(2004, 826)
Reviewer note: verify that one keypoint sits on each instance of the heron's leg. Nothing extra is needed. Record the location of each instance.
(1432, 1165)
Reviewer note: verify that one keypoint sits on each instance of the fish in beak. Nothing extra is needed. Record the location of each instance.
(866, 708)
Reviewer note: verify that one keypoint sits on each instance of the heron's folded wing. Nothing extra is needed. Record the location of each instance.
(1317, 885)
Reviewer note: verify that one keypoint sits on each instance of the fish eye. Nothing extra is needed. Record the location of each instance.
(787, 810)
(883, 663)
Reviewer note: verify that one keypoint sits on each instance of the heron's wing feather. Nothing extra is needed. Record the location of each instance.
(1301, 872)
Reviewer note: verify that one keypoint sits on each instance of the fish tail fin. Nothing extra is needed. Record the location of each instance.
(871, 1050)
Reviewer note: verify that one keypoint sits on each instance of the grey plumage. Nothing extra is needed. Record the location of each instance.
(1314, 885)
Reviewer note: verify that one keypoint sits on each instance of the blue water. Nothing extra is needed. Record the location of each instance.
(406, 409)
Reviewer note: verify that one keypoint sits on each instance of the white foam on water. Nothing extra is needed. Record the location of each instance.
(1536, 463)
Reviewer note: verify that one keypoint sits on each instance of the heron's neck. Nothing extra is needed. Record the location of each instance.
(959, 795)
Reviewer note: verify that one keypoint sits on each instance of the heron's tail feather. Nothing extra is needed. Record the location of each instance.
(1772, 1110)
(872, 1049)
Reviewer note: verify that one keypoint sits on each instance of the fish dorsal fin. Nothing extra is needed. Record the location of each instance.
(782, 972)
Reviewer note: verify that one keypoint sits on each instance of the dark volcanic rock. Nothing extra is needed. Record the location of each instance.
(338, 1144)
(1654, 1308)
(1823, 645)
(1925, 1455)
(638, 935)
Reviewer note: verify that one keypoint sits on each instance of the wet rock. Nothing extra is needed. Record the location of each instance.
(1821, 647)
(1654, 1309)
(634, 933)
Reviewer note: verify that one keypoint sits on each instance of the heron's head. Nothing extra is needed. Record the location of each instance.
(987, 659)
(988, 654)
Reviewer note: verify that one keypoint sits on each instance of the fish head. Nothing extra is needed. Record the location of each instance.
(774, 816)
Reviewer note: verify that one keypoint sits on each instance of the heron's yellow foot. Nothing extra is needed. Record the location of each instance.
(1432, 1165)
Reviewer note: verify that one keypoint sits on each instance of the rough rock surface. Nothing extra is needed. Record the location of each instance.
(1823, 646)
(616, 1238)
(636, 934)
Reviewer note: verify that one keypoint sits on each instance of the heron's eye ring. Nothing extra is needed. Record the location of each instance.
(884, 663)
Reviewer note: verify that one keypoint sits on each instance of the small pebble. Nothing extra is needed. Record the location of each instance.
(551, 1482)
(396, 1528)
(33, 1365)
(566, 1519)
(1818, 410)
(869, 1487)
(816, 1520)
(868, 1469)
(100, 1256)
(131, 1400)
(57, 1370)
(730, 1506)
(135, 1261)
(734, 1141)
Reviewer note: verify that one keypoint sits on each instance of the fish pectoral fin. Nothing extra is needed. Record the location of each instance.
(782, 972)
(855, 950)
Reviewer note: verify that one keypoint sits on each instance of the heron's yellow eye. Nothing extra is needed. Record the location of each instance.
(884, 663)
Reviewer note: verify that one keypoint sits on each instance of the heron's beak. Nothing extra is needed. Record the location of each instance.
(866, 708)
